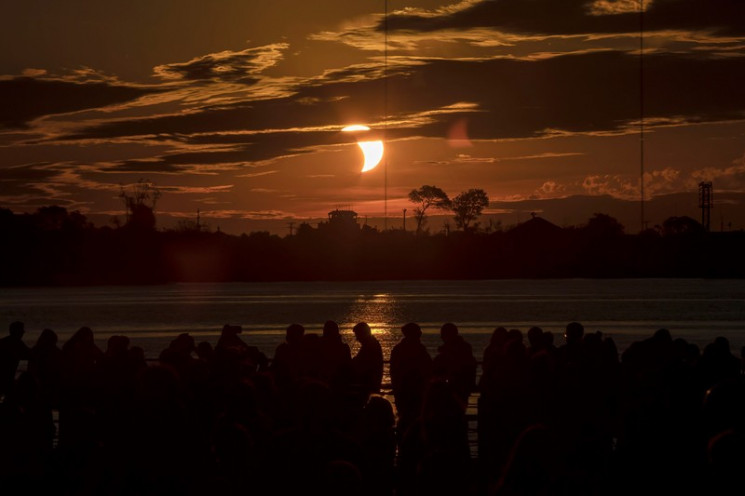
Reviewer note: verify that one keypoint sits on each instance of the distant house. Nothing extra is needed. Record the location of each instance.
(346, 217)
(341, 222)
(536, 229)
(536, 248)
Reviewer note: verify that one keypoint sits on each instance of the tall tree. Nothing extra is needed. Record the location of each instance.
(140, 203)
(467, 206)
(426, 197)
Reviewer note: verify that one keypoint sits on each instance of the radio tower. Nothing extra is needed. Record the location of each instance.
(705, 201)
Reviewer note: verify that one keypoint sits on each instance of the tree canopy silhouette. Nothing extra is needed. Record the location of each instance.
(425, 197)
(677, 226)
(467, 207)
(54, 247)
(140, 204)
(603, 225)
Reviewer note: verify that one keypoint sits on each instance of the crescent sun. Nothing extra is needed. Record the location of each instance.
(373, 152)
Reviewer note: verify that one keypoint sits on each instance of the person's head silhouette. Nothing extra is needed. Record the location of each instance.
(362, 332)
(574, 333)
(331, 330)
(448, 332)
(294, 333)
(412, 331)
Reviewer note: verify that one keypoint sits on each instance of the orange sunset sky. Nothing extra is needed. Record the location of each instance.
(236, 107)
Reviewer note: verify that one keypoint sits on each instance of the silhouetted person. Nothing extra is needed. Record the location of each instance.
(726, 459)
(205, 352)
(12, 351)
(231, 348)
(504, 402)
(717, 363)
(533, 465)
(434, 454)
(289, 356)
(536, 340)
(229, 340)
(336, 357)
(368, 362)
(375, 435)
(569, 355)
(411, 370)
(113, 367)
(79, 358)
(493, 355)
(455, 362)
(26, 434)
(45, 365)
(80, 353)
(342, 478)
(179, 355)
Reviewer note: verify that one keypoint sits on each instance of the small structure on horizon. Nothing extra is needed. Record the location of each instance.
(342, 216)
(705, 203)
(341, 221)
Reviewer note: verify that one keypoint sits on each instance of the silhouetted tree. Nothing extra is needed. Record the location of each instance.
(426, 197)
(55, 218)
(140, 204)
(603, 225)
(674, 226)
(467, 206)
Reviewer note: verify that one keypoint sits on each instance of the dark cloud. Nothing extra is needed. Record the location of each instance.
(591, 92)
(24, 99)
(28, 172)
(585, 93)
(723, 17)
(247, 149)
(27, 184)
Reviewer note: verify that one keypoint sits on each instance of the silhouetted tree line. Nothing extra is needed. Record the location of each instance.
(54, 246)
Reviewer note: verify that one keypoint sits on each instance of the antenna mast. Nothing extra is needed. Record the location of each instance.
(641, 110)
(385, 115)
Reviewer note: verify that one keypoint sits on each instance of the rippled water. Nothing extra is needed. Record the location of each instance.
(697, 310)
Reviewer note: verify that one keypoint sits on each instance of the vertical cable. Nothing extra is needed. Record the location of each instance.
(641, 108)
(385, 117)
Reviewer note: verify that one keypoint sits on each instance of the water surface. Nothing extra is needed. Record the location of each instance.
(697, 310)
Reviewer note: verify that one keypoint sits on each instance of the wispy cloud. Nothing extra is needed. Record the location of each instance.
(258, 174)
(239, 66)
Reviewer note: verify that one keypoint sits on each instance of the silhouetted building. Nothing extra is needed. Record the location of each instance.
(346, 217)
(536, 228)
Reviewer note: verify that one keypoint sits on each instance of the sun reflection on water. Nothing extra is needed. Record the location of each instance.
(380, 311)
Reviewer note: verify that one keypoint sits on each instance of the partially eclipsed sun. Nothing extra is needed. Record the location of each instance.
(371, 150)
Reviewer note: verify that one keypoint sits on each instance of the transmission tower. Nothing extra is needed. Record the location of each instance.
(705, 201)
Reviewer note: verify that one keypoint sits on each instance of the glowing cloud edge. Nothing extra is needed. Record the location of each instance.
(355, 127)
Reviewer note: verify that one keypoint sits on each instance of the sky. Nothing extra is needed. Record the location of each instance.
(235, 107)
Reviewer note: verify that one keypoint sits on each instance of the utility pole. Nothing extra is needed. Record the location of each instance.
(291, 225)
(404, 219)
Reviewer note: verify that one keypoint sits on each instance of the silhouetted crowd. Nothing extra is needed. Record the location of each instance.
(664, 417)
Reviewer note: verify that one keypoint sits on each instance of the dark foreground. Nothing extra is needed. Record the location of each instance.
(665, 417)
